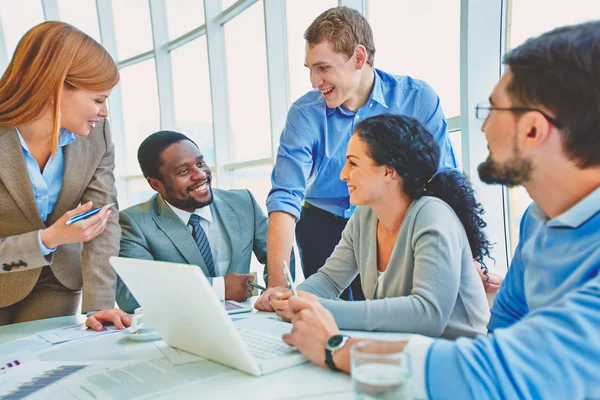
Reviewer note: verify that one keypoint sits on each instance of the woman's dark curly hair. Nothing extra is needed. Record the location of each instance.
(402, 143)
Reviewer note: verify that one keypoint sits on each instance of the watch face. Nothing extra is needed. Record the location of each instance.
(335, 341)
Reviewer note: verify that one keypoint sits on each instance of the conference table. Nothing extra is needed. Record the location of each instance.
(306, 381)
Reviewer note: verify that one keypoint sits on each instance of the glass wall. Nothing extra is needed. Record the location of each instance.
(183, 16)
(132, 27)
(191, 95)
(248, 85)
(17, 17)
(299, 15)
(81, 14)
(140, 108)
(420, 39)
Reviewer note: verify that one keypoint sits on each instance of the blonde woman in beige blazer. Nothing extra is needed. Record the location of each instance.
(52, 126)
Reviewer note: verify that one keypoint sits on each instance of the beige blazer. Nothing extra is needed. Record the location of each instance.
(88, 175)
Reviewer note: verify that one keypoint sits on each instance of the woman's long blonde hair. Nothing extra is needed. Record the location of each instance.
(48, 56)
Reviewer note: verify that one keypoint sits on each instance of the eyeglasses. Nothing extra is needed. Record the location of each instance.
(483, 109)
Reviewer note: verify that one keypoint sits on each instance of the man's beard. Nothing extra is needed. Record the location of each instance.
(191, 202)
(512, 172)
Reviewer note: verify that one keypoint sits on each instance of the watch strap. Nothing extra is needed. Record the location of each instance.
(329, 360)
(331, 349)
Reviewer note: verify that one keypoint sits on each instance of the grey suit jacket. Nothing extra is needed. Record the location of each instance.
(88, 175)
(152, 231)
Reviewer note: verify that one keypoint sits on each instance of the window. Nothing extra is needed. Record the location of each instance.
(225, 4)
(255, 179)
(245, 50)
(420, 39)
(524, 22)
(81, 14)
(191, 92)
(258, 181)
(140, 108)
(455, 139)
(299, 15)
(138, 191)
(183, 16)
(17, 17)
(132, 27)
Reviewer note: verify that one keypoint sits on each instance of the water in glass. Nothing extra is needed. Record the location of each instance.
(380, 381)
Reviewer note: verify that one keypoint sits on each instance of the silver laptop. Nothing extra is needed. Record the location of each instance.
(185, 310)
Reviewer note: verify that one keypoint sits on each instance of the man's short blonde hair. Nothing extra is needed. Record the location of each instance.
(345, 28)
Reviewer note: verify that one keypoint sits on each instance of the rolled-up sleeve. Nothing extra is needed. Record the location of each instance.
(293, 165)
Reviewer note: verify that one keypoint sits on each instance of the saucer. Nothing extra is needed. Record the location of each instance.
(143, 335)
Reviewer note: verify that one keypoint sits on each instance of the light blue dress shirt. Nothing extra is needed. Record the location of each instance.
(48, 183)
(313, 144)
(545, 339)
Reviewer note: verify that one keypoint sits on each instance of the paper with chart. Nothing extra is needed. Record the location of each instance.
(37, 380)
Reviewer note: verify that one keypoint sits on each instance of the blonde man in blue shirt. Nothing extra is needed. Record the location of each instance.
(542, 125)
(306, 194)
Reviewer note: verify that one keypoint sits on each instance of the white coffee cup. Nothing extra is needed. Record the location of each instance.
(140, 322)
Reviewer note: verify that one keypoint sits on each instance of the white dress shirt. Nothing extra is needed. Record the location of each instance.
(220, 246)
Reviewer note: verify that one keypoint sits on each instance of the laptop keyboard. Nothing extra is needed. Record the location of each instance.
(263, 346)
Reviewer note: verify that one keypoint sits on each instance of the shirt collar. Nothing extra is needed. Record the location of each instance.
(377, 92)
(64, 138)
(203, 212)
(575, 216)
(376, 96)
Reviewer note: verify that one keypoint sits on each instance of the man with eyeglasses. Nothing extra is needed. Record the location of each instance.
(542, 125)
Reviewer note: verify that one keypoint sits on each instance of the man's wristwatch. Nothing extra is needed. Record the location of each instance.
(333, 344)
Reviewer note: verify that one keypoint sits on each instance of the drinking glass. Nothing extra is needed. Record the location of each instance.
(380, 370)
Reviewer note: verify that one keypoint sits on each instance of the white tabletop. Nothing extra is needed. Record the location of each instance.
(300, 382)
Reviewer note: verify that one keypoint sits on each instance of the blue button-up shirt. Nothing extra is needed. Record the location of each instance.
(545, 340)
(48, 183)
(312, 150)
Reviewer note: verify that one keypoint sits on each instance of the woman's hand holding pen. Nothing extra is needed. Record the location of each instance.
(82, 231)
(263, 303)
(281, 303)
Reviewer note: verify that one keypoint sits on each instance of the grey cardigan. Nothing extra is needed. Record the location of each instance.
(430, 286)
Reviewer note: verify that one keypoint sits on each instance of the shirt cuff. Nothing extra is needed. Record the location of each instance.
(44, 249)
(417, 349)
(291, 208)
(218, 286)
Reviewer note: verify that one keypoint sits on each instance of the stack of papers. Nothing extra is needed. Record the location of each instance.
(23, 374)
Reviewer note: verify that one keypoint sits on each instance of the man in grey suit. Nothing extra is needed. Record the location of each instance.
(163, 228)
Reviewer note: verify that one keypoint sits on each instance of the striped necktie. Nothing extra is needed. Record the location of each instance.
(202, 242)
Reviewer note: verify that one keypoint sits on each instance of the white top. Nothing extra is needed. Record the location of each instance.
(220, 247)
(379, 288)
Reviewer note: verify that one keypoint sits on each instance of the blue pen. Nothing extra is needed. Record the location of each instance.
(84, 215)
(256, 285)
